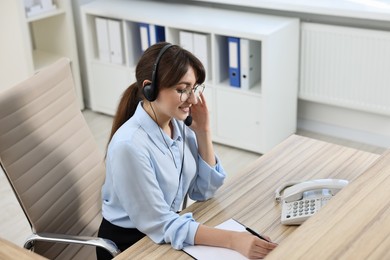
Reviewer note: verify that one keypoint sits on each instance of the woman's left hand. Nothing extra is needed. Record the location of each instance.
(200, 115)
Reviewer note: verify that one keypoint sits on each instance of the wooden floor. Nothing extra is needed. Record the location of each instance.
(13, 224)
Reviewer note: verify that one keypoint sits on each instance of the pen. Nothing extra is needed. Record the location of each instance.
(253, 232)
(256, 234)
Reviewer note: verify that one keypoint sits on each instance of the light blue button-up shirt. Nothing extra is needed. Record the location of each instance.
(142, 188)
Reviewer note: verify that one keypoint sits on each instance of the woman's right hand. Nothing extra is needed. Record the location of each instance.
(243, 242)
(251, 246)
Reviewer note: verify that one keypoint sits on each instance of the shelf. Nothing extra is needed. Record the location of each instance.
(255, 90)
(255, 118)
(43, 58)
(45, 14)
(37, 41)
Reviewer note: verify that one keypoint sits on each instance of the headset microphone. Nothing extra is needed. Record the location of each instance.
(188, 120)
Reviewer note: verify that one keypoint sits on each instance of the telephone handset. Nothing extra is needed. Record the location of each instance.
(300, 200)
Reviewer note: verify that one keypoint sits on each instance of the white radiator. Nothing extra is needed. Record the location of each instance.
(346, 67)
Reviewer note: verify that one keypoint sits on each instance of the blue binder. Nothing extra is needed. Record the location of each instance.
(234, 61)
(144, 35)
(160, 33)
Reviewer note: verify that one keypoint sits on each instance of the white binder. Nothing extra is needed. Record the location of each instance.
(115, 36)
(102, 39)
(201, 50)
(152, 34)
(144, 34)
(250, 61)
(186, 40)
(199, 45)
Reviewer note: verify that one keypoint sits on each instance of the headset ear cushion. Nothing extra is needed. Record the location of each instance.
(148, 92)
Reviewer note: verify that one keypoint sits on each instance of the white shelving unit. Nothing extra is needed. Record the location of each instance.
(32, 42)
(254, 119)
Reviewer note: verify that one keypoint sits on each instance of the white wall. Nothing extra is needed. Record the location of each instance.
(11, 58)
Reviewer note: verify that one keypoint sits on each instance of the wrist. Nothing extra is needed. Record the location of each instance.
(203, 134)
(231, 240)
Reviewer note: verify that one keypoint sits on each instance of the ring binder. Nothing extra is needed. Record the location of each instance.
(156, 34)
(151, 34)
(250, 61)
(198, 44)
(102, 39)
(234, 61)
(109, 39)
(115, 39)
(144, 35)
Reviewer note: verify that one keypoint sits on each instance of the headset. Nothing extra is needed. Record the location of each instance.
(150, 90)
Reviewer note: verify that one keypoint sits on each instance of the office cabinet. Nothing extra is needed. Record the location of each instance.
(33, 39)
(254, 118)
(238, 125)
(108, 85)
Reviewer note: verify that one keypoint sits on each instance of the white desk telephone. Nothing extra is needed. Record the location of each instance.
(300, 200)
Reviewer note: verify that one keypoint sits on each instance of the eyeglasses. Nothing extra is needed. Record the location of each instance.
(185, 94)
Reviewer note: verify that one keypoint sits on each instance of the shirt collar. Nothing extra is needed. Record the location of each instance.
(153, 130)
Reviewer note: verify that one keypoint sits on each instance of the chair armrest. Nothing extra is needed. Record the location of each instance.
(106, 244)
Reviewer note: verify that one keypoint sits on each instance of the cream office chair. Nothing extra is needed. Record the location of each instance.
(53, 164)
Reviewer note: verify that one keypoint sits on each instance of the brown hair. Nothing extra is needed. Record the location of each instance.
(173, 64)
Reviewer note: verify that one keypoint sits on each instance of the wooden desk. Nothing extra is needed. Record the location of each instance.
(9, 250)
(354, 225)
(249, 195)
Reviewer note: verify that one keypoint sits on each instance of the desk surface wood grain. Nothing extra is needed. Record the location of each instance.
(9, 250)
(249, 195)
(353, 225)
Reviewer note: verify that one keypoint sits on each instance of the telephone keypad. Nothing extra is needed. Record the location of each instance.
(298, 211)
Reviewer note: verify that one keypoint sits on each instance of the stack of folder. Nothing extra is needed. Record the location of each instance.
(244, 62)
(109, 40)
(198, 44)
(151, 34)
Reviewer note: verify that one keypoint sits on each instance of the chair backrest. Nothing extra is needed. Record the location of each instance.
(50, 157)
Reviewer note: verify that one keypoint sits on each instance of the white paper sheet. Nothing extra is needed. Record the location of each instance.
(209, 252)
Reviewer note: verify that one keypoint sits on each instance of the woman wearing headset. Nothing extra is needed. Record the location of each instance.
(154, 159)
